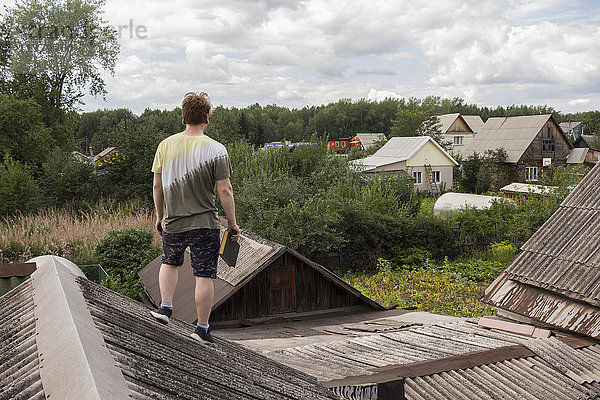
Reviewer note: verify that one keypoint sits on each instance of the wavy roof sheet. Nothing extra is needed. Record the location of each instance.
(555, 279)
(112, 341)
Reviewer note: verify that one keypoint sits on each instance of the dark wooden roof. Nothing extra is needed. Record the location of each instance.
(147, 360)
(555, 279)
(256, 254)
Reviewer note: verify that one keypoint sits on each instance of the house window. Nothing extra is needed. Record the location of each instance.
(548, 145)
(417, 177)
(458, 140)
(337, 144)
(532, 173)
(437, 176)
(343, 144)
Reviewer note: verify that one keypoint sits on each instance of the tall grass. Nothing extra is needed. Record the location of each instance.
(68, 233)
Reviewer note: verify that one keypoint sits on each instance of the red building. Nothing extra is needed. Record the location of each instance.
(339, 144)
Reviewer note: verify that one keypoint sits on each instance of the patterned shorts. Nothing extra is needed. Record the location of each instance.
(204, 247)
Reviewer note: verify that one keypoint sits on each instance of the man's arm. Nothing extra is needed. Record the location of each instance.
(159, 201)
(226, 196)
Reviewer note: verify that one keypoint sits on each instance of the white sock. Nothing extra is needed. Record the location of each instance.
(203, 326)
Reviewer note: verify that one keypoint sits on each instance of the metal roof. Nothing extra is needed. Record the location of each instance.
(109, 347)
(256, 254)
(474, 122)
(399, 149)
(449, 361)
(369, 139)
(555, 279)
(577, 155)
(514, 134)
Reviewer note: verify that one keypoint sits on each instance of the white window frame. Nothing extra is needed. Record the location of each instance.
(531, 174)
(418, 177)
(437, 176)
(459, 140)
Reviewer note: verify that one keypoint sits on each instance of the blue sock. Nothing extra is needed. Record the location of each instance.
(167, 304)
(203, 326)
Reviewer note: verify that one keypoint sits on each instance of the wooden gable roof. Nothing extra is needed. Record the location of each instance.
(256, 254)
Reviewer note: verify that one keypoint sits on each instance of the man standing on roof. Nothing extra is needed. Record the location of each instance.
(187, 166)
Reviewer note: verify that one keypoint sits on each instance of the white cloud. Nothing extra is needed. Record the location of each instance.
(378, 95)
(579, 102)
(297, 53)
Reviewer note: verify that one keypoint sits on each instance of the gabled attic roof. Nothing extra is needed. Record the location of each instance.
(474, 122)
(399, 149)
(555, 279)
(256, 254)
(65, 337)
(514, 134)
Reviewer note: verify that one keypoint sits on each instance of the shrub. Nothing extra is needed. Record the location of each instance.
(19, 191)
(122, 254)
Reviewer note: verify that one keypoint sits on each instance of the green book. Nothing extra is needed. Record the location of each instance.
(229, 250)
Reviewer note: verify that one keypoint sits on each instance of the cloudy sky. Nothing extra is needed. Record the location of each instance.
(297, 53)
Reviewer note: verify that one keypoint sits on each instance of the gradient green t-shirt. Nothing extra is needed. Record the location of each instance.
(190, 167)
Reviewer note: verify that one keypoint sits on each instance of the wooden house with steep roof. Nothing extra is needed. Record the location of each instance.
(531, 142)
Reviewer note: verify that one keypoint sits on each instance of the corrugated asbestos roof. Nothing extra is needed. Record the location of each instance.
(369, 139)
(256, 254)
(153, 361)
(514, 134)
(555, 279)
(546, 368)
(474, 121)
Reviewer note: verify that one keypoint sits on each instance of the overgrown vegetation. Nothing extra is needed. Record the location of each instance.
(449, 287)
(68, 233)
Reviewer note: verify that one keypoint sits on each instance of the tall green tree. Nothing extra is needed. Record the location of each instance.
(63, 43)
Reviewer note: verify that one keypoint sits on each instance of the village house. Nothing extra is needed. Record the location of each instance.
(531, 142)
(459, 130)
(420, 157)
(268, 280)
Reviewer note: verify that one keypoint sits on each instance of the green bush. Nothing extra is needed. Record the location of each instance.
(122, 254)
(19, 192)
(473, 270)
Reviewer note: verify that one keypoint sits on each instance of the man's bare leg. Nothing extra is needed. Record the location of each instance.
(204, 298)
(167, 282)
